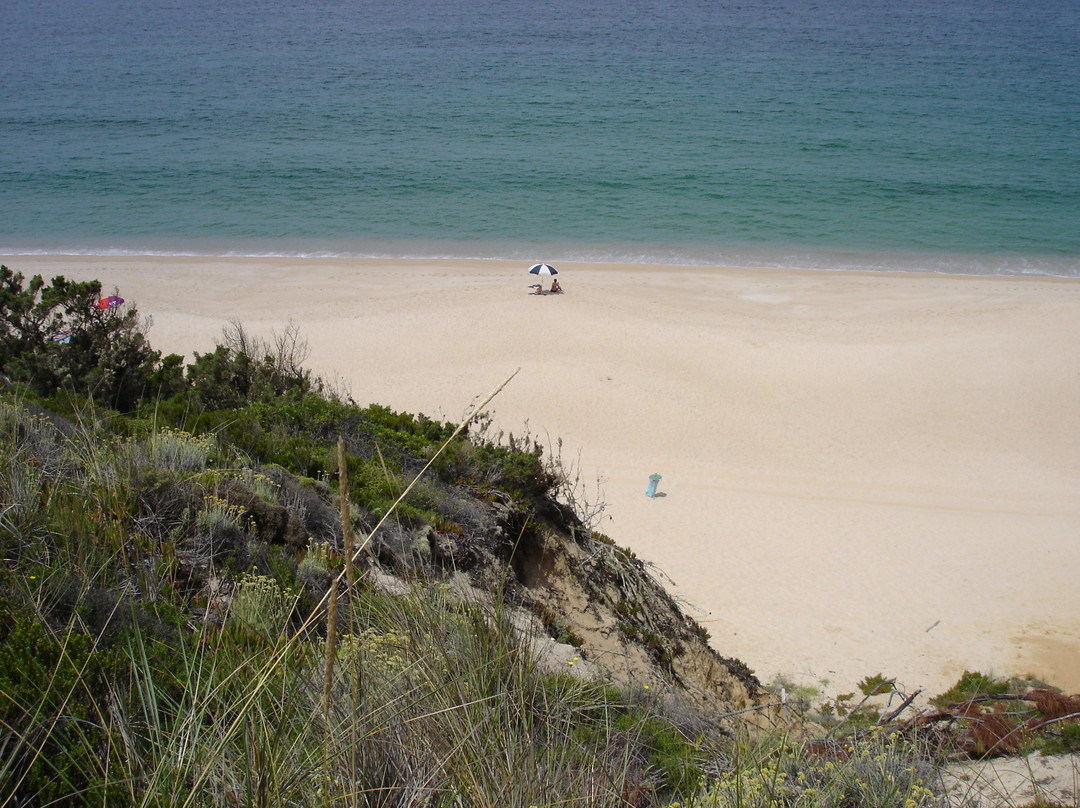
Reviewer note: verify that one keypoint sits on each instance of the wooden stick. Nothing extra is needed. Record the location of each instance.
(885, 719)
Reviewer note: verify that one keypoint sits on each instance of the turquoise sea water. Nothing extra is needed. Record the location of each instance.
(921, 134)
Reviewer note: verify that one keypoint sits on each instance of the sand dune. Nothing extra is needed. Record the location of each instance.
(861, 472)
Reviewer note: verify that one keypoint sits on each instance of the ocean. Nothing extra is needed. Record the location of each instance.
(939, 135)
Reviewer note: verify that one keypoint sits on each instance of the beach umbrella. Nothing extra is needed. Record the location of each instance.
(110, 302)
(543, 269)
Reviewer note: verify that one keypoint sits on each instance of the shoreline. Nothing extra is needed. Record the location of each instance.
(815, 259)
(863, 471)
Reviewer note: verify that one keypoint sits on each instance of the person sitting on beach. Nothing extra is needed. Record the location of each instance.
(539, 289)
(555, 288)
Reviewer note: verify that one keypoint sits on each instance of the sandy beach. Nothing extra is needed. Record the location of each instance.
(862, 473)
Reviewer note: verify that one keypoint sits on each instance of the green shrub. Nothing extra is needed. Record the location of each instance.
(969, 685)
(243, 369)
(1062, 741)
(52, 691)
(668, 752)
(519, 473)
(53, 338)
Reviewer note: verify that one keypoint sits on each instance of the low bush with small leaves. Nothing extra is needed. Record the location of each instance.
(877, 769)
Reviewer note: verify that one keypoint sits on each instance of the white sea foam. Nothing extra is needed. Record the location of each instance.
(956, 264)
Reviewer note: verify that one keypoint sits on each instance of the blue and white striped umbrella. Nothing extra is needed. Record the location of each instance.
(543, 269)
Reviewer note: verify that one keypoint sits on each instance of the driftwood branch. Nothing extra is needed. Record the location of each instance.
(1059, 719)
(891, 716)
(988, 697)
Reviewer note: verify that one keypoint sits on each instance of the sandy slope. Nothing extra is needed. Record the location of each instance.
(1015, 781)
(861, 472)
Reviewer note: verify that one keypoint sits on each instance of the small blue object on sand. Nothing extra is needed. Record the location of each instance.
(654, 480)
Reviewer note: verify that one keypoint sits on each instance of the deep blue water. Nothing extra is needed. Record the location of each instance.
(937, 134)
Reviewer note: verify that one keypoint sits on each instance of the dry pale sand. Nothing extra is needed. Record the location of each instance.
(861, 472)
(1032, 780)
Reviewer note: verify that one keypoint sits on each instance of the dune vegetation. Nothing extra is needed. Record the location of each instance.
(227, 583)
